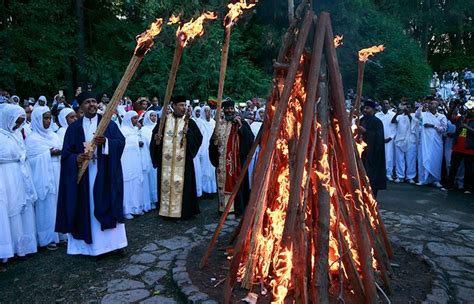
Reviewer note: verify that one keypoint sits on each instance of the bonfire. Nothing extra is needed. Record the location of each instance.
(312, 232)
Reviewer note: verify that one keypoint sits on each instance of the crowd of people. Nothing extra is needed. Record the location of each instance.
(137, 167)
(133, 170)
(427, 143)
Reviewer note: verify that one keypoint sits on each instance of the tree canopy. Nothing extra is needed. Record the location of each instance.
(51, 45)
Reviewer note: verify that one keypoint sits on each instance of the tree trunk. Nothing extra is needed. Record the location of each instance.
(81, 52)
(291, 10)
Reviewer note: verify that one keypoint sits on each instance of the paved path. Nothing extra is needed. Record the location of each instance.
(424, 220)
(439, 225)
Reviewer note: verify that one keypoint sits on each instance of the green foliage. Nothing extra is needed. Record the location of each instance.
(39, 51)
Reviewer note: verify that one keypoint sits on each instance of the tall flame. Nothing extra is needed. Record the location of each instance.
(338, 41)
(173, 19)
(235, 10)
(364, 54)
(145, 39)
(194, 28)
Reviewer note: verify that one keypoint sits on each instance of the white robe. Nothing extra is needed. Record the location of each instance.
(389, 130)
(146, 164)
(17, 197)
(406, 139)
(46, 170)
(197, 164)
(255, 127)
(103, 241)
(132, 173)
(208, 177)
(432, 145)
(146, 132)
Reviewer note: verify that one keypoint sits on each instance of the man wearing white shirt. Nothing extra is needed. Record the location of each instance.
(433, 126)
(389, 129)
(406, 139)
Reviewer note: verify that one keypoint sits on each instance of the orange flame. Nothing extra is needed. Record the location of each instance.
(145, 39)
(194, 28)
(338, 41)
(173, 19)
(235, 10)
(364, 54)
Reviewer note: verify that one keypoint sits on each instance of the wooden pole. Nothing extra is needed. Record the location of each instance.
(294, 201)
(266, 156)
(107, 116)
(178, 51)
(321, 275)
(222, 74)
(360, 82)
(340, 113)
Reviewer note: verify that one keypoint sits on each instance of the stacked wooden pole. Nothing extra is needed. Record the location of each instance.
(311, 232)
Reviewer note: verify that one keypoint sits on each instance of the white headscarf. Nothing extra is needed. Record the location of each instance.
(127, 119)
(258, 117)
(194, 112)
(146, 120)
(63, 115)
(37, 122)
(9, 115)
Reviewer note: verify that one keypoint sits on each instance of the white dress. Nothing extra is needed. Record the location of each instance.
(17, 192)
(209, 184)
(103, 241)
(146, 132)
(132, 169)
(46, 170)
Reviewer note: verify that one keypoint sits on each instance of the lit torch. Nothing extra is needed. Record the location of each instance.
(235, 10)
(364, 55)
(184, 35)
(144, 44)
(338, 41)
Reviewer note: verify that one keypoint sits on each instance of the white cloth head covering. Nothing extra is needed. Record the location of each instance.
(8, 116)
(203, 112)
(37, 122)
(194, 112)
(146, 120)
(258, 116)
(127, 119)
(62, 116)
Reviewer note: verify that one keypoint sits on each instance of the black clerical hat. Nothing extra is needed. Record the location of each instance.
(228, 102)
(370, 103)
(179, 99)
(84, 96)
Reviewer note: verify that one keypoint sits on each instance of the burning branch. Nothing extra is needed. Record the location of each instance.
(364, 55)
(184, 35)
(338, 41)
(144, 44)
(235, 10)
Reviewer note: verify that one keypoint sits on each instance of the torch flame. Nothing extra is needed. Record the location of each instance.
(194, 28)
(173, 19)
(364, 54)
(338, 41)
(145, 39)
(235, 10)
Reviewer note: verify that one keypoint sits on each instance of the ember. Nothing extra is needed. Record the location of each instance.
(338, 41)
(312, 231)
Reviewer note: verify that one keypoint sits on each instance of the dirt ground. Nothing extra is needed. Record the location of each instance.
(54, 276)
(411, 281)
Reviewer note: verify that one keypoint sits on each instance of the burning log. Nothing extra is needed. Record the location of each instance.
(144, 44)
(184, 35)
(235, 10)
(311, 231)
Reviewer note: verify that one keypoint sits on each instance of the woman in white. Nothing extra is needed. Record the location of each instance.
(132, 170)
(208, 171)
(66, 117)
(43, 151)
(17, 192)
(149, 123)
(146, 163)
(197, 164)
